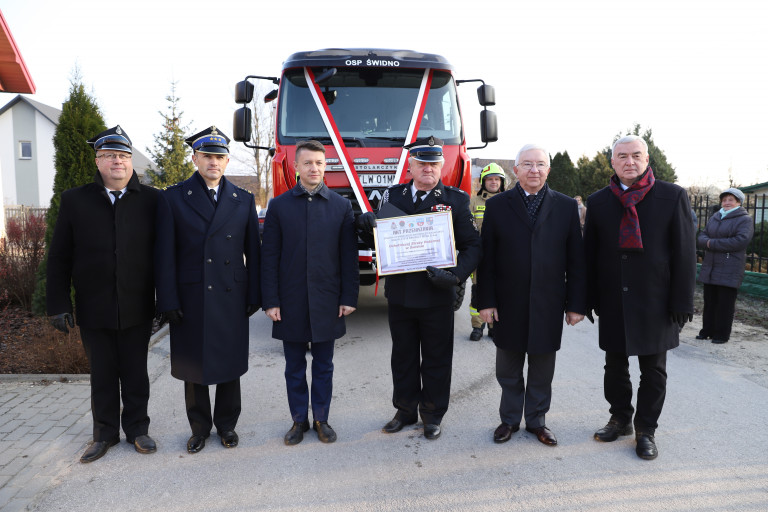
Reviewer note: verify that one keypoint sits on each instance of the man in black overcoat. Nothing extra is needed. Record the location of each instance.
(207, 266)
(531, 274)
(309, 280)
(103, 244)
(420, 304)
(641, 268)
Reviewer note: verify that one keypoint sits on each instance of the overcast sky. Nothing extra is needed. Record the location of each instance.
(569, 75)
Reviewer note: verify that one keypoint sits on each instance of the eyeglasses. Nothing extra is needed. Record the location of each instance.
(115, 156)
(527, 166)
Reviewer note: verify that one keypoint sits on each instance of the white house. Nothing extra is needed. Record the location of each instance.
(27, 154)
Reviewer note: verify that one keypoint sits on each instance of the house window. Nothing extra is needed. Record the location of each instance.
(25, 150)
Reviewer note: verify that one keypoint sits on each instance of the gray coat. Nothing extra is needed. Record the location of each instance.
(726, 255)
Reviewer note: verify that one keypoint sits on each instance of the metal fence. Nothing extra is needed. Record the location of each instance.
(21, 212)
(757, 205)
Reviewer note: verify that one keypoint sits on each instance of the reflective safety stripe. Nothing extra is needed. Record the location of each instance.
(473, 311)
(480, 207)
(479, 215)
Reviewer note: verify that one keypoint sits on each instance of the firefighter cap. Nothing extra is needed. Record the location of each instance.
(426, 149)
(115, 139)
(210, 140)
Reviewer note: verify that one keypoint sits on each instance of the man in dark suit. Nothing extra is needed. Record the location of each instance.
(421, 303)
(207, 265)
(103, 244)
(641, 267)
(309, 280)
(532, 272)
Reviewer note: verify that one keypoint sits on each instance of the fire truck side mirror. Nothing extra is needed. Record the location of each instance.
(486, 95)
(488, 127)
(241, 126)
(270, 96)
(243, 92)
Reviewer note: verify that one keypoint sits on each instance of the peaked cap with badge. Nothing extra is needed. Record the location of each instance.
(426, 149)
(211, 140)
(115, 139)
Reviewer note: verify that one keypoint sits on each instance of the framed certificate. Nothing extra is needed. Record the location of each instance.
(413, 242)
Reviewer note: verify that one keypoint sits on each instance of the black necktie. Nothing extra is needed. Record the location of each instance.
(419, 197)
(212, 193)
(117, 194)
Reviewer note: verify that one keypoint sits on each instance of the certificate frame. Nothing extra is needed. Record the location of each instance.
(410, 243)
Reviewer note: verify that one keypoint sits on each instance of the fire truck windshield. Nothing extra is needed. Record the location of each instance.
(372, 107)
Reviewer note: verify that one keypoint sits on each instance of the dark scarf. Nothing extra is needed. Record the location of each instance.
(534, 204)
(630, 237)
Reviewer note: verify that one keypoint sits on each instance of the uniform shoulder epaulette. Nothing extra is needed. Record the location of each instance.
(243, 189)
(175, 185)
(449, 187)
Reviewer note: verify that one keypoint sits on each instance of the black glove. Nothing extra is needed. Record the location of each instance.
(251, 309)
(60, 322)
(473, 296)
(366, 222)
(680, 318)
(174, 316)
(442, 278)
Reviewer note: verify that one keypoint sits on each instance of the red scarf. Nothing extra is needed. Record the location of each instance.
(629, 231)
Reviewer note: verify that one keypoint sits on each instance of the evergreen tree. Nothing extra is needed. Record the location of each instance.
(171, 153)
(562, 175)
(593, 174)
(74, 161)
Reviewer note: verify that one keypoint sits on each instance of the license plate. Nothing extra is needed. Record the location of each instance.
(376, 179)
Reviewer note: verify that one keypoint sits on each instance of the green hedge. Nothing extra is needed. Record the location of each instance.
(755, 283)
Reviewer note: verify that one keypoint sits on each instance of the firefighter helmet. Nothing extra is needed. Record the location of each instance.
(493, 169)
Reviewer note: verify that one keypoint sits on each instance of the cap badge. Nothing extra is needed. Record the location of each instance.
(431, 140)
(119, 131)
(213, 131)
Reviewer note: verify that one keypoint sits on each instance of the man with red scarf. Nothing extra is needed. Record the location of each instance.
(641, 270)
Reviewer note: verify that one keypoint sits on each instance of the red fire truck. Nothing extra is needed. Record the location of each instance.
(364, 105)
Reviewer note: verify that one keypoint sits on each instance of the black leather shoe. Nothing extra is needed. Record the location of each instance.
(719, 342)
(504, 432)
(476, 334)
(432, 431)
(229, 439)
(701, 337)
(196, 443)
(396, 425)
(296, 434)
(544, 435)
(646, 446)
(613, 430)
(97, 449)
(144, 444)
(324, 431)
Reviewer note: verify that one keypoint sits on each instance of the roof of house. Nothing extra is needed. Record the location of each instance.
(14, 75)
(51, 113)
(753, 188)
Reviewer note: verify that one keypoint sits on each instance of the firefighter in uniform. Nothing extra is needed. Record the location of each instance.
(420, 304)
(492, 181)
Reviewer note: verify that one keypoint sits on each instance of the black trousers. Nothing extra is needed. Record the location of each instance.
(719, 308)
(226, 410)
(422, 358)
(650, 393)
(118, 359)
(516, 397)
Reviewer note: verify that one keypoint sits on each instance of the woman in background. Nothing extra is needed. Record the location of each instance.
(725, 240)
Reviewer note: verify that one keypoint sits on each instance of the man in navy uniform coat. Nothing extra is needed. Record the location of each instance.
(207, 267)
(421, 303)
(103, 244)
(641, 270)
(309, 282)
